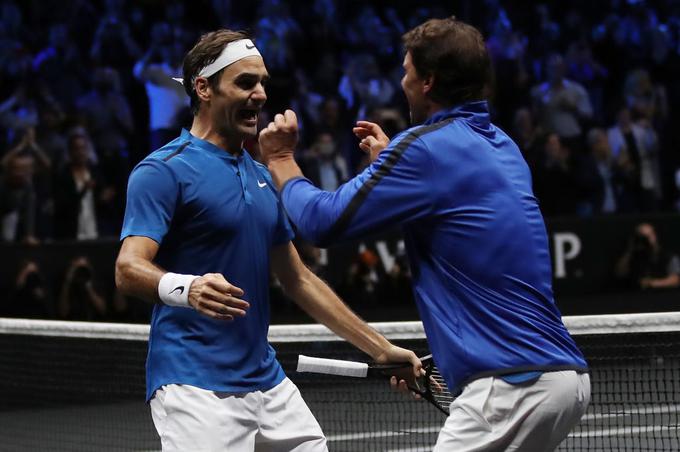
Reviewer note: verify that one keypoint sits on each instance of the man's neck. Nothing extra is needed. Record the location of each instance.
(205, 130)
(430, 109)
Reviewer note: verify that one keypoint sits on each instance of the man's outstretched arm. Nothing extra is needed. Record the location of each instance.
(321, 303)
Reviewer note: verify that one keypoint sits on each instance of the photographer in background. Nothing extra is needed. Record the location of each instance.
(645, 264)
(30, 296)
(78, 298)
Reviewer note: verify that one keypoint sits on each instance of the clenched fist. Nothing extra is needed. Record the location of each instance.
(279, 139)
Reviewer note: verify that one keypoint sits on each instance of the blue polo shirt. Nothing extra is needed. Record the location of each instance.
(475, 238)
(210, 212)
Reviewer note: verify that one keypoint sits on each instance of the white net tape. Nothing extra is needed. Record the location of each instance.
(577, 325)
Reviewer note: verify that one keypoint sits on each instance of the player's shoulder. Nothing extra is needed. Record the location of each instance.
(421, 136)
(173, 155)
(179, 147)
(169, 161)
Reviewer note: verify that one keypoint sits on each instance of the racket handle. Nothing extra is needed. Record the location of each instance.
(332, 366)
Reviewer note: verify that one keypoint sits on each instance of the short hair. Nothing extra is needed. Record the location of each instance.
(205, 51)
(455, 54)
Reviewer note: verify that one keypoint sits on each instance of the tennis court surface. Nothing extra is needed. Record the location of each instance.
(68, 386)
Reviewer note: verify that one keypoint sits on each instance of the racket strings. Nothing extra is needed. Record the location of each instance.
(438, 388)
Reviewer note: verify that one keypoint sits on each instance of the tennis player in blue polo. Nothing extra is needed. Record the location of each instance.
(203, 226)
(475, 238)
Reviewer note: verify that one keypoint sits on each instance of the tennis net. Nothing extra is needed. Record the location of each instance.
(68, 386)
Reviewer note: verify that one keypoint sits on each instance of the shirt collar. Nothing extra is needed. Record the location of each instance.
(209, 147)
(476, 112)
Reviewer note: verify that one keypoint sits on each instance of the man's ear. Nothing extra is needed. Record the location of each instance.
(202, 88)
(428, 83)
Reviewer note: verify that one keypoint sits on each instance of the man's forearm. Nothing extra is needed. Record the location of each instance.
(139, 278)
(283, 170)
(320, 302)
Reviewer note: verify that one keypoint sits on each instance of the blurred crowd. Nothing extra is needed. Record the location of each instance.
(86, 91)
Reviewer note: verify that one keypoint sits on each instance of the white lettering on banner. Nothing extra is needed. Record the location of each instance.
(567, 246)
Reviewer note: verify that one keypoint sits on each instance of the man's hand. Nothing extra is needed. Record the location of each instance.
(401, 380)
(213, 296)
(373, 139)
(279, 139)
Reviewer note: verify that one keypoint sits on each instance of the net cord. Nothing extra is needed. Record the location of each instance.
(577, 325)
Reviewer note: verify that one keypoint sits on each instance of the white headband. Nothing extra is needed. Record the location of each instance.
(233, 52)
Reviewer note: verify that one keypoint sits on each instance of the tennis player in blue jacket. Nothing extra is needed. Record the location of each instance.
(476, 241)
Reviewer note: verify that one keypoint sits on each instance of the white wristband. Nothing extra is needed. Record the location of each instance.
(173, 289)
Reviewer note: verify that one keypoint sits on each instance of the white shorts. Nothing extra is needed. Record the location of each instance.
(188, 418)
(492, 415)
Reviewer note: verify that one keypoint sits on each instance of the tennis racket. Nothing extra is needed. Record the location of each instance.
(430, 386)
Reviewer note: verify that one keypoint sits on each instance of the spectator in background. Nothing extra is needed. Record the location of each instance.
(50, 134)
(78, 297)
(28, 145)
(633, 29)
(107, 114)
(637, 147)
(507, 49)
(78, 182)
(41, 179)
(645, 99)
(554, 183)
(333, 119)
(645, 264)
(527, 134)
(544, 38)
(167, 99)
(113, 44)
(59, 65)
(307, 102)
(276, 29)
(588, 183)
(584, 69)
(613, 192)
(18, 203)
(15, 59)
(561, 104)
(183, 34)
(363, 86)
(30, 297)
(19, 111)
(278, 35)
(367, 28)
(323, 165)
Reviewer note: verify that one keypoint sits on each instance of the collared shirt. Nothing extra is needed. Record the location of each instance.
(475, 238)
(211, 212)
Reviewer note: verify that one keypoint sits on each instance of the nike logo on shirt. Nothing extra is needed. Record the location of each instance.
(180, 288)
(261, 184)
